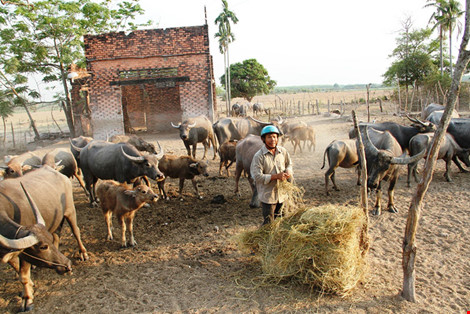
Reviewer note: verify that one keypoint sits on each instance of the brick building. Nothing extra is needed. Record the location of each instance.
(143, 80)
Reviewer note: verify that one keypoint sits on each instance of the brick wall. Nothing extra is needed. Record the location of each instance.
(190, 90)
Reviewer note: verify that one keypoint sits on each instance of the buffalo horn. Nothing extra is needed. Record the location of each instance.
(176, 126)
(4, 167)
(133, 158)
(18, 244)
(264, 123)
(192, 125)
(78, 149)
(34, 207)
(368, 143)
(408, 160)
(416, 120)
(160, 150)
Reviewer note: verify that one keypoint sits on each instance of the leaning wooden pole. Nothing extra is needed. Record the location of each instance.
(362, 157)
(409, 245)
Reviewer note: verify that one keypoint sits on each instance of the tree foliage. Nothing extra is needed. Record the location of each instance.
(46, 37)
(249, 79)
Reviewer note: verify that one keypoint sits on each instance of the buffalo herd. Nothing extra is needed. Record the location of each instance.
(36, 192)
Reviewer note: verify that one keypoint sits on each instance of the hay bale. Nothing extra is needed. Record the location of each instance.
(319, 247)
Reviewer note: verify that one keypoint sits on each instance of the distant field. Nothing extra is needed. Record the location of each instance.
(44, 116)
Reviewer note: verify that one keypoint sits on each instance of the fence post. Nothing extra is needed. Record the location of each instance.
(318, 107)
(328, 106)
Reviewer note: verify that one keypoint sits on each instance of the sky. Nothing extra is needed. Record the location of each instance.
(303, 42)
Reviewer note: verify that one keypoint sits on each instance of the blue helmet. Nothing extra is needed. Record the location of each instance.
(269, 129)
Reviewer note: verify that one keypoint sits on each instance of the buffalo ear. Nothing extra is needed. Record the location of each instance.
(193, 165)
(26, 167)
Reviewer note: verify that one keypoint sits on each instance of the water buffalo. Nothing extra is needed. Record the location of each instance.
(258, 108)
(429, 109)
(18, 165)
(383, 157)
(182, 167)
(435, 116)
(134, 140)
(31, 224)
(197, 130)
(245, 151)
(302, 133)
(67, 163)
(124, 202)
(448, 151)
(227, 129)
(120, 162)
(227, 154)
(402, 133)
(239, 110)
(340, 153)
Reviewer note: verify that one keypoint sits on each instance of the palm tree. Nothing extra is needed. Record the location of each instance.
(446, 17)
(226, 36)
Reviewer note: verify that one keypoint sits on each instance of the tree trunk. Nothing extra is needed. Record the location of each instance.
(228, 71)
(68, 103)
(227, 106)
(450, 50)
(440, 51)
(33, 124)
(409, 246)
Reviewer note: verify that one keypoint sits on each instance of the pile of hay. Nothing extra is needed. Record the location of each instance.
(321, 247)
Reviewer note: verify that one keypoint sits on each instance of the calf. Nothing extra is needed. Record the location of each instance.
(227, 154)
(448, 151)
(182, 167)
(124, 202)
(302, 133)
(341, 153)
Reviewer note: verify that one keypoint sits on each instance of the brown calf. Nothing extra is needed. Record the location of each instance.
(182, 167)
(227, 154)
(118, 199)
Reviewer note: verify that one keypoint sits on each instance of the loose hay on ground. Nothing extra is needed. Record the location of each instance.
(319, 247)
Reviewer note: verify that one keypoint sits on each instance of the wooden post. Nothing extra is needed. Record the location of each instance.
(362, 157)
(367, 102)
(318, 107)
(298, 108)
(13, 134)
(328, 106)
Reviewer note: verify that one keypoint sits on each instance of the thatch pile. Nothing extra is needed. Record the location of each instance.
(321, 247)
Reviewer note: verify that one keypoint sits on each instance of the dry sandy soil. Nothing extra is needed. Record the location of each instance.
(187, 260)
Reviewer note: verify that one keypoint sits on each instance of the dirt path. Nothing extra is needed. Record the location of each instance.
(187, 260)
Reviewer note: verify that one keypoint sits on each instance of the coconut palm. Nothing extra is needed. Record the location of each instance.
(446, 18)
(225, 37)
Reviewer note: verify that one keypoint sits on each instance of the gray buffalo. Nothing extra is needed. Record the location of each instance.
(448, 151)
(134, 140)
(429, 109)
(120, 162)
(340, 153)
(31, 224)
(197, 130)
(181, 167)
(383, 157)
(245, 151)
(79, 142)
(227, 129)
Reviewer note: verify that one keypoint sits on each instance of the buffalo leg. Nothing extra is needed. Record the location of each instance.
(161, 189)
(194, 151)
(195, 188)
(447, 173)
(109, 223)
(377, 208)
(222, 163)
(181, 188)
(214, 146)
(206, 148)
(457, 163)
(238, 173)
(72, 221)
(80, 181)
(25, 279)
(391, 192)
(228, 166)
(123, 231)
(130, 226)
(254, 198)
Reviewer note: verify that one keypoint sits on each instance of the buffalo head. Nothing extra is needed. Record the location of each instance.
(184, 128)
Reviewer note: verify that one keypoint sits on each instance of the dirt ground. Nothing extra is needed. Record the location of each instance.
(187, 260)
